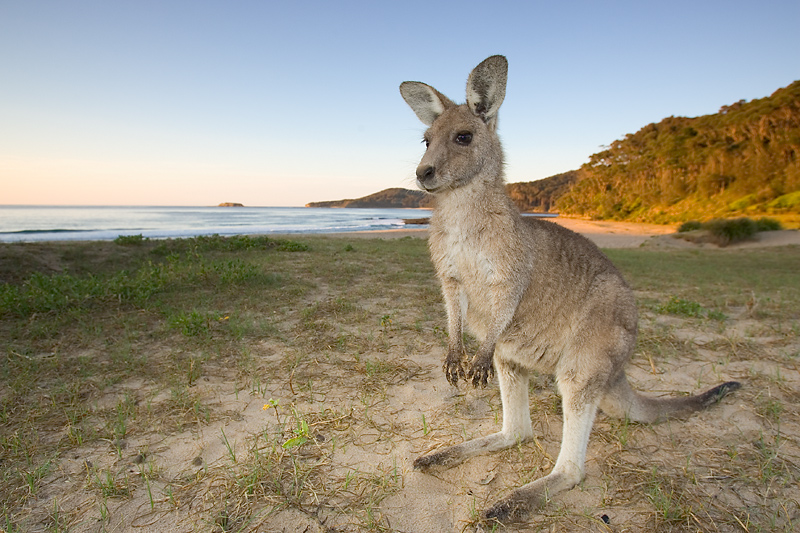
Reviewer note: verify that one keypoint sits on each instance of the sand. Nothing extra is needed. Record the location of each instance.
(617, 235)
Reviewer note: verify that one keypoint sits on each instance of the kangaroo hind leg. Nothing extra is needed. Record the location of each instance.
(516, 424)
(580, 407)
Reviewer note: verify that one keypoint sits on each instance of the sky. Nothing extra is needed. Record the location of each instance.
(275, 103)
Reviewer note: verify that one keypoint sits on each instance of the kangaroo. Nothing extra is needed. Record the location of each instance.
(537, 296)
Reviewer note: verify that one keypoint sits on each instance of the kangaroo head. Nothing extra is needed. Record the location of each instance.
(462, 142)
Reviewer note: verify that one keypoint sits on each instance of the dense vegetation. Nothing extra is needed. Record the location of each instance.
(540, 196)
(743, 160)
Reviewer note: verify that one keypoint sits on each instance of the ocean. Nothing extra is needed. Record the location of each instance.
(75, 223)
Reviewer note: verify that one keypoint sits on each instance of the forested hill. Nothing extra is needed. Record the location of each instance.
(539, 196)
(743, 160)
(388, 198)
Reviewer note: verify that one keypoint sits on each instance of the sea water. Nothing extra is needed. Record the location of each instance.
(61, 223)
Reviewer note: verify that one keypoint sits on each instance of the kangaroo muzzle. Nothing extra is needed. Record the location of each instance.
(426, 175)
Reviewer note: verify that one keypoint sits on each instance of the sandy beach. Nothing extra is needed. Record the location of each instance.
(609, 234)
(309, 420)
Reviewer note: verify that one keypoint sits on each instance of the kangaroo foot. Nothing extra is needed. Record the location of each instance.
(439, 460)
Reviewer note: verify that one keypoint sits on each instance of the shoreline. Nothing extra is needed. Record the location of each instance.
(605, 234)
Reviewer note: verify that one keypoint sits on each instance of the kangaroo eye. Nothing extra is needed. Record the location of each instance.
(463, 138)
(426, 142)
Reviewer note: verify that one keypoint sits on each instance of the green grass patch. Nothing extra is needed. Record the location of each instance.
(200, 261)
(687, 308)
(716, 279)
(130, 240)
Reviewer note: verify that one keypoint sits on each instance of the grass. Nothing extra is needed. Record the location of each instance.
(687, 308)
(111, 351)
(77, 330)
(718, 279)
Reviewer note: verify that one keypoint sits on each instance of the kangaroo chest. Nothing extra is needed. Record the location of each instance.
(463, 259)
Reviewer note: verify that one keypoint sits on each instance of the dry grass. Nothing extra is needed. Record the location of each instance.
(254, 389)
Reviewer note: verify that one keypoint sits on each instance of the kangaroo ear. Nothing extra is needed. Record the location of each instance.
(427, 102)
(486, 87)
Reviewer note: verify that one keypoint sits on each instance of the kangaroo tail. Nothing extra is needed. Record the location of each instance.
(622, 401)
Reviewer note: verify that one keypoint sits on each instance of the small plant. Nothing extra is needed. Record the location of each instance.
(33, 477)
(769, 464)
(117, 426)
(679, 306)
(228, 446)
(348, 478)
(193, 324)
(667, 502)
(56, 518)
(274, 405)
(194, 371)
(104, 514)
(623, 430)
(687, 308)
(108, 484)
(146, 476)
(772, 409)
(170, 496)
(301, 436)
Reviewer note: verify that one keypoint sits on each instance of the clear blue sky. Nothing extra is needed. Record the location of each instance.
(282, 103)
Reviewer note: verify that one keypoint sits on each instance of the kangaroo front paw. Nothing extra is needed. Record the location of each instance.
(454, 367)
(480, 370)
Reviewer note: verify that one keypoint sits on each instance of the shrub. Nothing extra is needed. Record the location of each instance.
(728, 231)
(292, 246)
(691, 225)
(731, 230)
(768, 224)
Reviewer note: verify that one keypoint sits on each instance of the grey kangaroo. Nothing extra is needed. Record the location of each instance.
(537, 297)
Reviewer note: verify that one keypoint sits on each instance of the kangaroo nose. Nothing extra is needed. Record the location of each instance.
(425, 173)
